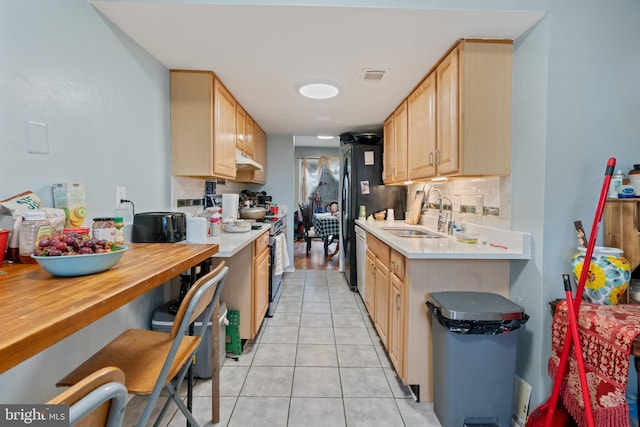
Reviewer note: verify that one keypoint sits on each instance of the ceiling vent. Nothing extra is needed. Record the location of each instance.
(372, 74)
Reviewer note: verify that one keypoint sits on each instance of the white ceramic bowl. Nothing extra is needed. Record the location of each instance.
(80, 265)
(237, 225)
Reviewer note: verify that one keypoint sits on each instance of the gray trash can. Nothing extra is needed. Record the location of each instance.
(475, 337)
(162, 321)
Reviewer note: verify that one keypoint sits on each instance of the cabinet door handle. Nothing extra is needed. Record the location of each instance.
(431, 158)
(438, 157)
(397, 301)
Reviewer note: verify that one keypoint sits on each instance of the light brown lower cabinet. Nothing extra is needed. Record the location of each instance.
(396, 291)
(370, 280)
(247, 286)
(260, 280)
(381, 303)
(396, 324)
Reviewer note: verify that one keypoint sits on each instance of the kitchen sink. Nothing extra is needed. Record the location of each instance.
(412, 232)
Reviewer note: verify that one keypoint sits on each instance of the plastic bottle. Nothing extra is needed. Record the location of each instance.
(615, 184)
(119, 225)
(103, 228)
(215, 223)
(34, 227)
(634, 178)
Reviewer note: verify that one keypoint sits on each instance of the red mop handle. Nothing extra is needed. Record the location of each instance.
(611, 165)
(564, 356)
(582, 373)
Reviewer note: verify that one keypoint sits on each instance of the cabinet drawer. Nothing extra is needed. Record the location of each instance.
(261, 243)
(379, 248)
(397, 264)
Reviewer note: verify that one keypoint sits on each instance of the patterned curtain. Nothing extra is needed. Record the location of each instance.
(319, 180)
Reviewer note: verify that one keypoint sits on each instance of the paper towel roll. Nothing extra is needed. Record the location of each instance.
(230, 204)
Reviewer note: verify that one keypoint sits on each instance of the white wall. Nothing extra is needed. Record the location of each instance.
(104, 101)
(280, 180)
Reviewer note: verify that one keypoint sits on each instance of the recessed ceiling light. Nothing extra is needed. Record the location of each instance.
(318, 90)
(325, 137)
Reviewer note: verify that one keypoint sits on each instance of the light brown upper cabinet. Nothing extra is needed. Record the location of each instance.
(203, 126)
(448, 114)
(259, 155)
(422, 129)
(249, 136)
(459, 116)
(480, 142)
(241, 117)
(395, 146)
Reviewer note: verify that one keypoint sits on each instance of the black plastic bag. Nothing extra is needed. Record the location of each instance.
(477, 327)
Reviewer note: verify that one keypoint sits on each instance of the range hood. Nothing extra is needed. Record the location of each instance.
(245, 163)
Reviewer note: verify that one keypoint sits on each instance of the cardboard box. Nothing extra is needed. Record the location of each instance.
(70, 197)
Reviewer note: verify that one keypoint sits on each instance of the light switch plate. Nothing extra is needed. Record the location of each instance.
(37, 138)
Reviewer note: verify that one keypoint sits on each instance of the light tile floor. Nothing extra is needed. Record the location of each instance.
(317, 362)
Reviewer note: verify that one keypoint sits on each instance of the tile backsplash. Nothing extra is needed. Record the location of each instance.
(194, 188)
(481, 200)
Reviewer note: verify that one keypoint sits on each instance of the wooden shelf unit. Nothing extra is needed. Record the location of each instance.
(622, 228)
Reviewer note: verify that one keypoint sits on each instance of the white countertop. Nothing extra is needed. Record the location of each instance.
(517, 244)
(231, 243)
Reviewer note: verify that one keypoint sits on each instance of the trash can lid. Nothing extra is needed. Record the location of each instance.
(476, 306)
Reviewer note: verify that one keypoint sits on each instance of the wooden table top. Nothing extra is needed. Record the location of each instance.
(39, 309)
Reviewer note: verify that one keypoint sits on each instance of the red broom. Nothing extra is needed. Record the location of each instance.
(545, 414)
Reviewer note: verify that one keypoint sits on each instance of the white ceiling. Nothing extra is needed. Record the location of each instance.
(262, 52)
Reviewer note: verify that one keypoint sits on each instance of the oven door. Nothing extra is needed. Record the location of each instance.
(275, 280)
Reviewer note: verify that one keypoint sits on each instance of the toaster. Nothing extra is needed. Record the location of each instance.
(159, 227)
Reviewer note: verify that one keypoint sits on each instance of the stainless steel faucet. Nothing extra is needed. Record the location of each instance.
(425, 203)
(442, 222)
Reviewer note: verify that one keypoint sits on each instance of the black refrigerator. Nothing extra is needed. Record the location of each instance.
(361, 185)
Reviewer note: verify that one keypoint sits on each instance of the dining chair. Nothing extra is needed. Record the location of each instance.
(150, 360)
(331, 207)
(97, 400)
(309, 231)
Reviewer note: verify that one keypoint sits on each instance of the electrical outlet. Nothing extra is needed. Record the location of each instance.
(121, 193)
(520, 402)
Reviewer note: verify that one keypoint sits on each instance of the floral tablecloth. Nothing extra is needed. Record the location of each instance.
(606, 336)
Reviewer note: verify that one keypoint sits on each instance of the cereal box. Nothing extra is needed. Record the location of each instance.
(70, 197)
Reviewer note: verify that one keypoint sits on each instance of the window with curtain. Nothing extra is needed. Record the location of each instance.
(319, 181)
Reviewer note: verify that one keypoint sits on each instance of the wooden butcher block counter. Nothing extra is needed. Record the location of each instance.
(39, 309)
